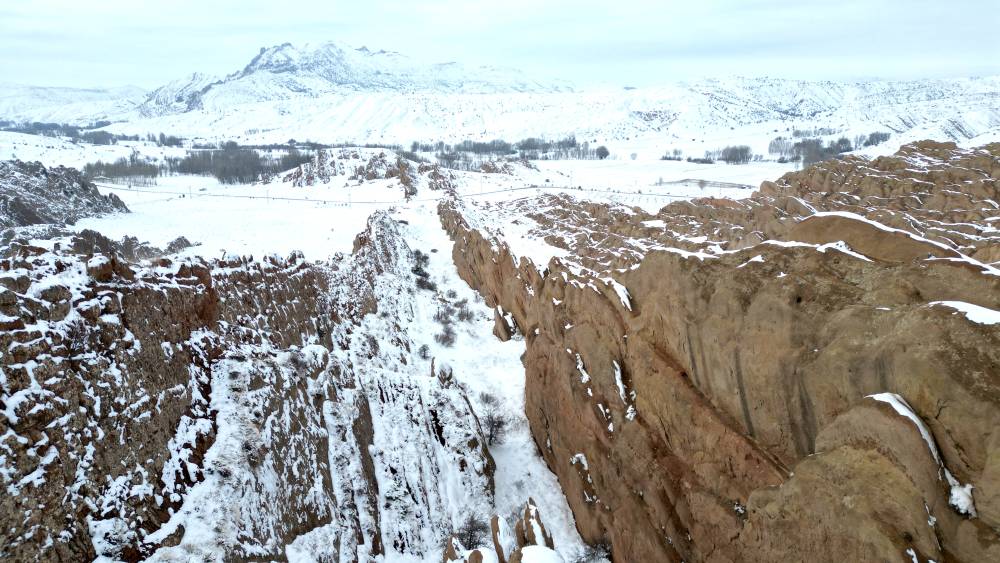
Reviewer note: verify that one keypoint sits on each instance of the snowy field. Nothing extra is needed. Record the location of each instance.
(322, 220)
(645, 174)
(55, 151)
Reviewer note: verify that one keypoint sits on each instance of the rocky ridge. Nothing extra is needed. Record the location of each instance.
(797, 376)
(365, 165)
(237, 408)
(31, 194)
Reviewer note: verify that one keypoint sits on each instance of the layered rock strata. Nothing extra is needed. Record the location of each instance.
(809, 374)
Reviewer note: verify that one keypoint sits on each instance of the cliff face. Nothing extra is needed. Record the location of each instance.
(797, 376)
(32, 194)
(233, 409)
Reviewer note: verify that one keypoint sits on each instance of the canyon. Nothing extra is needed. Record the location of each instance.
(808, 372)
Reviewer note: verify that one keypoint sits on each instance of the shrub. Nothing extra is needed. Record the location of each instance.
(464, 314)
(472, 533)
(603, 152)
(446, 337)
(423, 278)
(444, 314)
(876, 138)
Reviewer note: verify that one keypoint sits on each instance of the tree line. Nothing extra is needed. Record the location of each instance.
(467, 155)
(813, 150)
(230, 165)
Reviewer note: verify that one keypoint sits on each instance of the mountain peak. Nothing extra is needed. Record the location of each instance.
(288, 71)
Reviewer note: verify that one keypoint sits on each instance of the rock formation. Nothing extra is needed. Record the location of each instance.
(797, 376)
(31, 194)
(232, 409)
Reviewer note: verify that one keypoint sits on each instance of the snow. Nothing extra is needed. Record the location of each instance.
(975, 313)
(244, 220)
(621, 291)
(539, 554)
(757, 258)
(484, 364)
(584, 376)
(960, 497)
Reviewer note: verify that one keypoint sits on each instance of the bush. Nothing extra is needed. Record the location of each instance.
(423, 278)
(495, 421)
(464, 314)
(812, 151)
(700, 160)
(444, 314)
(472, 533)
(603, 152)
(447, 336)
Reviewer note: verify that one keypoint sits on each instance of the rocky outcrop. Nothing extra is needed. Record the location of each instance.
(323, 167)
(235, 409)
(31, 194)
(700, 380)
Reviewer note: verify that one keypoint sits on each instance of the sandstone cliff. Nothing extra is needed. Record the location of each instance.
(809, 374)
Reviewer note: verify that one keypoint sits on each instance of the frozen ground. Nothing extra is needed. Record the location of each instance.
(56, 151)
(486, 365)
(322, 220)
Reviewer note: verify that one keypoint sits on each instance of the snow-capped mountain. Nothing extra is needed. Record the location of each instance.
(335, 93)
(286, 72)
(68, 105)
(695, 117)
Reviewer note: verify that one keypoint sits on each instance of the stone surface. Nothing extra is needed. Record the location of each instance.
(702, 396)
(31, 194)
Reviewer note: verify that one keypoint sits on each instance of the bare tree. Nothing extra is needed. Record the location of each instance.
(472, 533)
(495, 421)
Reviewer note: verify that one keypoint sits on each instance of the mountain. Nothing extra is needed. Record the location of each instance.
(286, 72)
(68, 105)
(786, 377)
(696, 116)
(335, 93)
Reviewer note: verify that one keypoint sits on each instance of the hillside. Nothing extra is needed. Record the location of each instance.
(31, 194)
(81, 106)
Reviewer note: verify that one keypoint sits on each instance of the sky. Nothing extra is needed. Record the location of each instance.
(614, 42)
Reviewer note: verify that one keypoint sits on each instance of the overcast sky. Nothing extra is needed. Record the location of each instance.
(627, 42)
